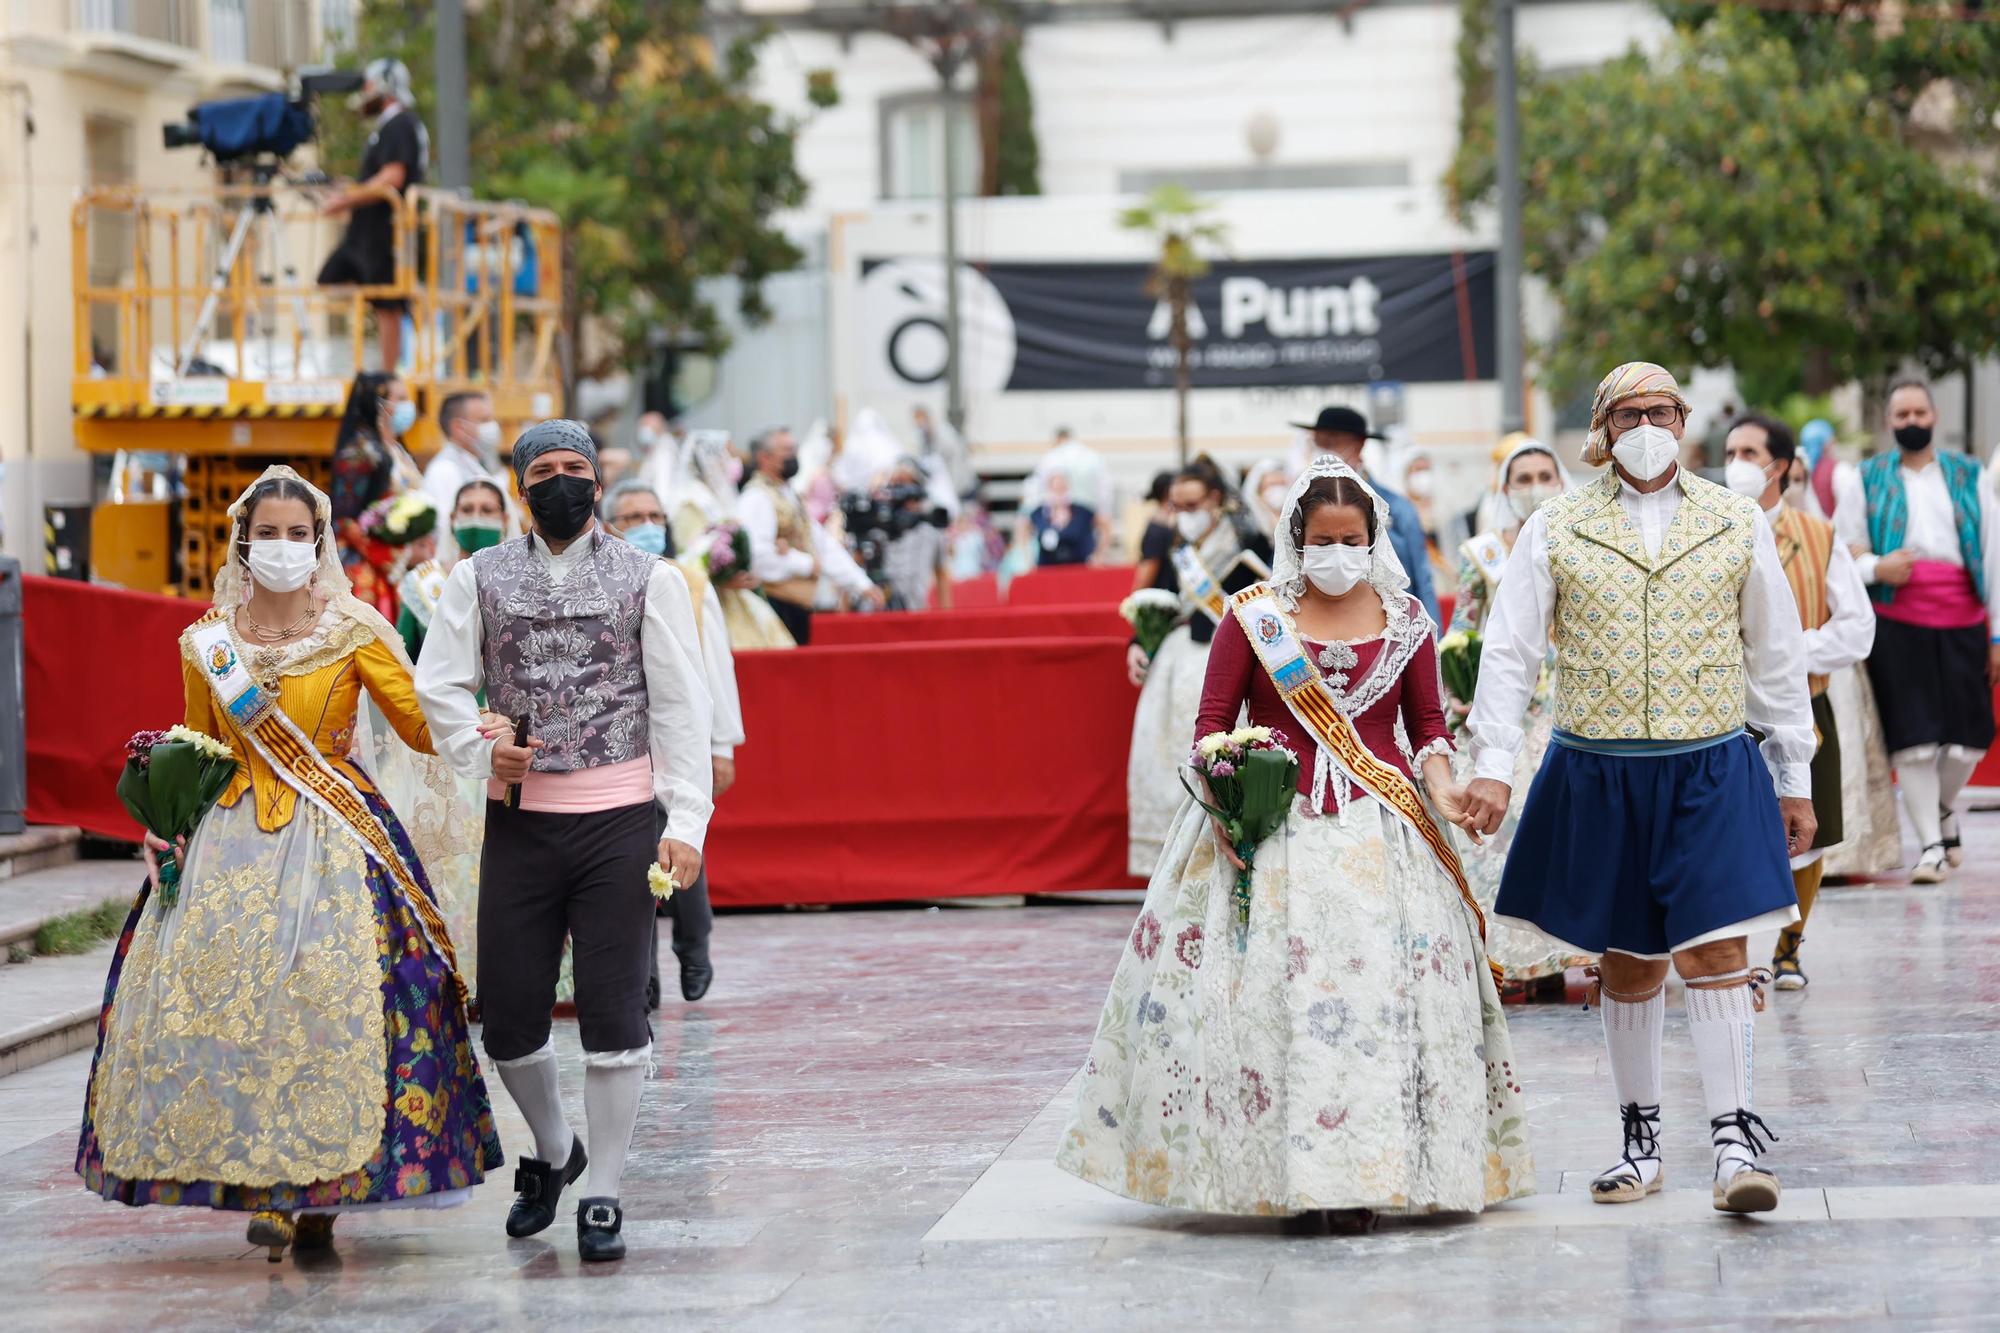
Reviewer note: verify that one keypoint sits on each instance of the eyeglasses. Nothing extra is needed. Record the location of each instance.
(1664, 414)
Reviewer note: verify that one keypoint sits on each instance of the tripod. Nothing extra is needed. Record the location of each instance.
(261, 219)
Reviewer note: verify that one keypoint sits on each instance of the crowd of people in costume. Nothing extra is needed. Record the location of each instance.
(475, 755)
(1689, 696)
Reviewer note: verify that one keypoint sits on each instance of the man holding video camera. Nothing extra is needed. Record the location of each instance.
(397, 153)
(899, 534)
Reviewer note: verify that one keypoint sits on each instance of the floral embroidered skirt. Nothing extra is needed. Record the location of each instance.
(1162, 738)
(1352, 1056)
(1523, 955)
(283, 1037)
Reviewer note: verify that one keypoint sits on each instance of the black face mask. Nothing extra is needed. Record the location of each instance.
(790, 469)
(562, 505)
(1913, 438)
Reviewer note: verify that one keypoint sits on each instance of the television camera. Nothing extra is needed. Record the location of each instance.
(268, 126)
(259, 133)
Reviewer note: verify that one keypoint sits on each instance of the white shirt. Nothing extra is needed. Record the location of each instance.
(719, 661)
(1849, 633)
(758, 516)
(679, 712)
(1932, 530)
(1516, 641)
(449, 470)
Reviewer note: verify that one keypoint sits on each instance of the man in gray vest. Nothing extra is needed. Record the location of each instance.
(590, 644)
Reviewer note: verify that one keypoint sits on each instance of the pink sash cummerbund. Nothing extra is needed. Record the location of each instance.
(584, 791)
(1939, 595)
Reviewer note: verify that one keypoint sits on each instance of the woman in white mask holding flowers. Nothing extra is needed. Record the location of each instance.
(1216, 550)
(1529, 476)
(1345, 1054)
(287, 1038)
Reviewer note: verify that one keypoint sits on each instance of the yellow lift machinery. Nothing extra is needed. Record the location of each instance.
(215, 348)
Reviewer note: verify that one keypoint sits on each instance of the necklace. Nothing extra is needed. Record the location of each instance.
(266, 635)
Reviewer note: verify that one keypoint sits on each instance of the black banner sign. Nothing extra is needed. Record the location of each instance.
(1413, 318)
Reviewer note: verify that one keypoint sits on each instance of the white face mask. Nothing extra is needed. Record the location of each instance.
(283, 566)
(1525, 500)
(1646, 451)
(487, 437)
(1194, 524)
(1335, 569)
(1420, 485)
(1746, 478)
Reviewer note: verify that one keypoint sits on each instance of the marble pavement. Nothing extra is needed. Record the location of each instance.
(854, 1131)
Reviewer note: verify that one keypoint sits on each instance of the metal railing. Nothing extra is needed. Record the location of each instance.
(221, 286)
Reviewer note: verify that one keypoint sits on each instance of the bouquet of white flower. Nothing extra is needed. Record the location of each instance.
(1152, 613)
(1251, 783)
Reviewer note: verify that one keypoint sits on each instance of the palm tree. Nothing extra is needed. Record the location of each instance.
(1186, 231)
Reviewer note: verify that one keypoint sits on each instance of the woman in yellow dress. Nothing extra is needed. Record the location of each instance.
(289, 1038)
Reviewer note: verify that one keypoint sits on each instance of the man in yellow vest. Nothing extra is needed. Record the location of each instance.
(1652, 831)
(1839, 626)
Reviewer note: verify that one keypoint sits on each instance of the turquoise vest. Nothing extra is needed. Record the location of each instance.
(1889, 512)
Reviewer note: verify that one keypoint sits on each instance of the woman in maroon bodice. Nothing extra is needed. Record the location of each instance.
(1349, 1056)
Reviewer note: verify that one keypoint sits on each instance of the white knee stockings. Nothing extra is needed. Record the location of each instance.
(1722, 1019)
(1932, 776)
(531, 1082)
(1632, 1029)
(612, 1082)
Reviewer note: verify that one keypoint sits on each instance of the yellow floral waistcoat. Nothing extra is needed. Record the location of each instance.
(1650, 648)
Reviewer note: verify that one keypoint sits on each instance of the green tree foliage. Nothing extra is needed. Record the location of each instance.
(1017, 156)
(622, 117)
(1186, 231)
(1758, 193)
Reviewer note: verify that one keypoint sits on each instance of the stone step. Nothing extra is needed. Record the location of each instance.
(49, 1006)
(40, 848)
(29, 900)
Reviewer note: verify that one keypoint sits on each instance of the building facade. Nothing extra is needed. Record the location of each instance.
(85, 89)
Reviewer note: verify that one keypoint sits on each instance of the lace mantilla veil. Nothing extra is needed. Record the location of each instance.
(419, 787)
(1407, 628)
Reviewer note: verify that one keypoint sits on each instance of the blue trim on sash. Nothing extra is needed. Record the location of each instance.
(1641, 749)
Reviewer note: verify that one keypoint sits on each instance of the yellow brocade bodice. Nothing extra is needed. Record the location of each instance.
(319, 681)
(1650, 647)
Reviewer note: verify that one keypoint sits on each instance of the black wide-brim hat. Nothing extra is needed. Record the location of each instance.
(1340, 421)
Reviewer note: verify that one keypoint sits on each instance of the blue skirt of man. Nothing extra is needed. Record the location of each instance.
(1646, 847)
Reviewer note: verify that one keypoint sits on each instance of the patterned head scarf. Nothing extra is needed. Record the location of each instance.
(1634, 379)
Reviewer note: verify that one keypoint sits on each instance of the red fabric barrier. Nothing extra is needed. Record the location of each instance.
(921, 770)
(872, 773)
(100, 664)
(1020, 622)
(976, 593)
(1071, 585)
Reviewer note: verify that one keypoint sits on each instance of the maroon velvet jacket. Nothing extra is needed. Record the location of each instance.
(1235, 677)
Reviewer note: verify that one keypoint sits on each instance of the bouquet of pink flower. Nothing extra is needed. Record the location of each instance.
(170, 780)
(1251, 783)
(726, 552)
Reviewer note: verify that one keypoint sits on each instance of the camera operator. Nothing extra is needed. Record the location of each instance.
(397, 153)
(789, 551)
(904, 540)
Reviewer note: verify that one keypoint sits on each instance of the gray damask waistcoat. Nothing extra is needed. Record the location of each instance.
(568, 657)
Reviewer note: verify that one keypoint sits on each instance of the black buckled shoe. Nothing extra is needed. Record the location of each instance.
(696, 974)
(537, 1188)
(598, 1222)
